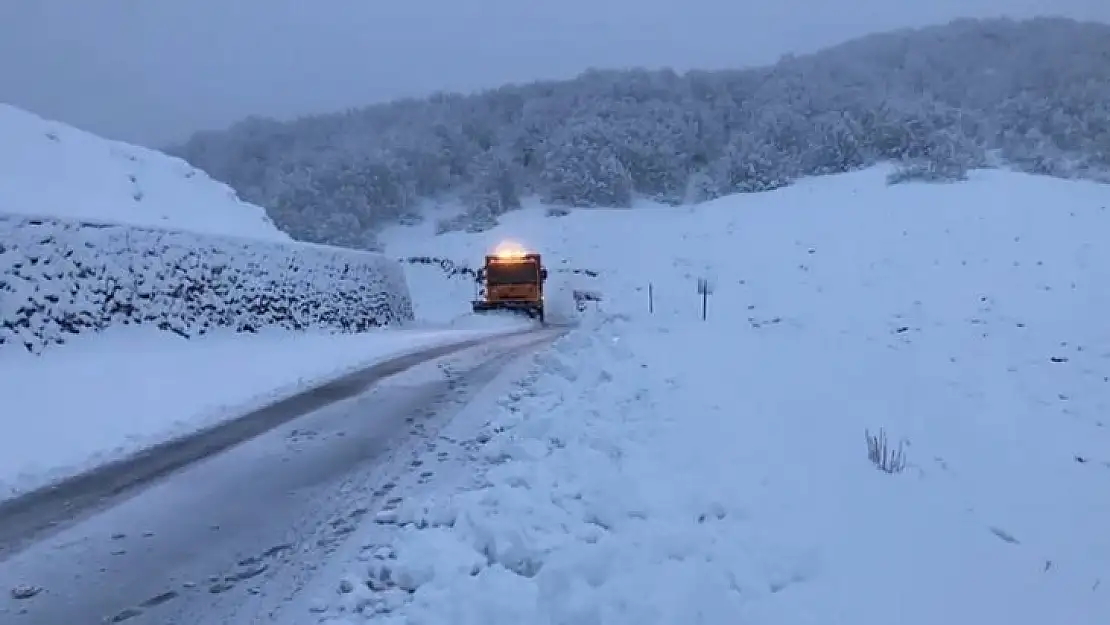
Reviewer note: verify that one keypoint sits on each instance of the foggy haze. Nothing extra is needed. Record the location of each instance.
(152, 72)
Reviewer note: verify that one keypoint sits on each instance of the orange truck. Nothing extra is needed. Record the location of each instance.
(512, 279)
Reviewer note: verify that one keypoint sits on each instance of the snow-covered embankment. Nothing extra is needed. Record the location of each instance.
(59, 278)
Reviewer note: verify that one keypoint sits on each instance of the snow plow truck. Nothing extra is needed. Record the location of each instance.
(512, 279)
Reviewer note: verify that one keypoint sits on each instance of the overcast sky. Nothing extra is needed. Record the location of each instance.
(152, 71)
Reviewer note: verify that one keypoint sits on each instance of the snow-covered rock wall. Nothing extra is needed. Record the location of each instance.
(59, 278)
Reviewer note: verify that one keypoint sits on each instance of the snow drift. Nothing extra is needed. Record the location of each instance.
(49, 168)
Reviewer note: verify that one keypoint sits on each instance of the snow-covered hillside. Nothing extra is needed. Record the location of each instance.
(50, 169)
(654, 468)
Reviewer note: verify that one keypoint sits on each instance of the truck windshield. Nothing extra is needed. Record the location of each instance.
(512, 273)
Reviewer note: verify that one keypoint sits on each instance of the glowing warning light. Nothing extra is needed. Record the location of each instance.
(509, 250)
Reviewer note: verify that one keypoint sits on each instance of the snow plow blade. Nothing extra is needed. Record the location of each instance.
(532, 309)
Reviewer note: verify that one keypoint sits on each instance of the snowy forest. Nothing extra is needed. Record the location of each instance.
(1032, 95)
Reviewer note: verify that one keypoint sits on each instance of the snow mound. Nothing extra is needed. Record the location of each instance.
(559, 298)
(50, 169)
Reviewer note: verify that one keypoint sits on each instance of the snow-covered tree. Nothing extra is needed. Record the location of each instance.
(581, 168)
(1033, 93)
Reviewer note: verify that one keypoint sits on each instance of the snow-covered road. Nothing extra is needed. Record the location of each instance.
(234, 537)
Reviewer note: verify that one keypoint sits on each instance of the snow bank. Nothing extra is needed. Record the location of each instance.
(119, 391)
(60, 278)
(658, 469)
(49, 168)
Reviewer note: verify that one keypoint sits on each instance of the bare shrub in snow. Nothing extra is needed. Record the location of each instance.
(927, 171)
(450, 224)
(882, 455)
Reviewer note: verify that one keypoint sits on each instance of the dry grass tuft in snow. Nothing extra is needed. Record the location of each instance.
(888, 459)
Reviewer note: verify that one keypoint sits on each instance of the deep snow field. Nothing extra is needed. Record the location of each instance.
(654, 468)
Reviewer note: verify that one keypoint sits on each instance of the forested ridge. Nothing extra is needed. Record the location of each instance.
(1033, 95)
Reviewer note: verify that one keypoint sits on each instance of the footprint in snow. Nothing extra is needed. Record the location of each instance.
(1004, 535)
(126, 614)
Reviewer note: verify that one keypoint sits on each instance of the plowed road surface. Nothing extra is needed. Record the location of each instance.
(222, 530)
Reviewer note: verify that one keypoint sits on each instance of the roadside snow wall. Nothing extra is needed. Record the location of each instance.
(59, 278)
